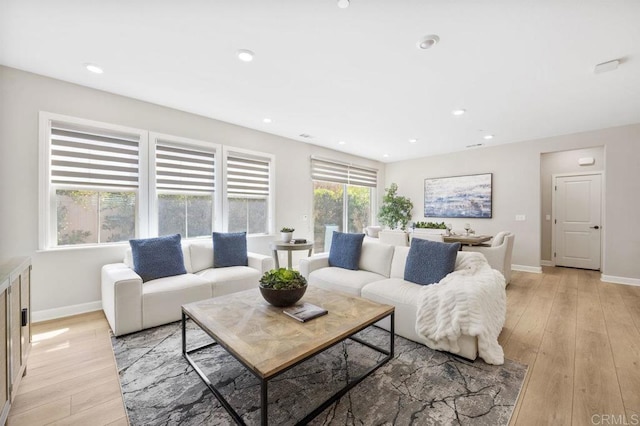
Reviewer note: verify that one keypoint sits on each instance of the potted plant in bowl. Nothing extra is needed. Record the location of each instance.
(282, 287)
(286, 234)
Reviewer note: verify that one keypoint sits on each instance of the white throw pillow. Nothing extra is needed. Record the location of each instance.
(498, 239)
(399, 261)
(201, 255)
(376, 258)
(372, 231)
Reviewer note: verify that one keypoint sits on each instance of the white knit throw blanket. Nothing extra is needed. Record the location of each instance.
(471, 300)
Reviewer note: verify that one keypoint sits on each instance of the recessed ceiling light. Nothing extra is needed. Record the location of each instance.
(341, 142)
(487, 137)
(245, 55)
(413, 140)
(93, 68)
(343, 4)
(266, 120)
(427, 42)
(458, 111)
(386, 155)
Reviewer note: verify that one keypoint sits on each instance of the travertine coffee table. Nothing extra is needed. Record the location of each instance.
(267, 342)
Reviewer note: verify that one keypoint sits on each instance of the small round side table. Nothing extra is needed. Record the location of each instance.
(289, 247)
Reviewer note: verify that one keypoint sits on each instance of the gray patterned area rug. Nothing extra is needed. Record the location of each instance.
(419, 386)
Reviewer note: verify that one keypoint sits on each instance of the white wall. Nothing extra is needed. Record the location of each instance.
(71, 277)
(516, 190)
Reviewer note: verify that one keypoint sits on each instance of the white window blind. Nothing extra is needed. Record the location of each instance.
(87, 156)
(333, 171)
(247, 176)
(184, 168)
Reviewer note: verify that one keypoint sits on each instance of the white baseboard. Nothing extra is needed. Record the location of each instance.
(546, 263)
(619, 280)
(525, 268)
(65, 311)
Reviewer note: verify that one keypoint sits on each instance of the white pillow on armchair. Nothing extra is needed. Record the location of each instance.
(372, 231)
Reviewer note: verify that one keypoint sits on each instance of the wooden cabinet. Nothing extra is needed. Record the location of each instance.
(15, 328)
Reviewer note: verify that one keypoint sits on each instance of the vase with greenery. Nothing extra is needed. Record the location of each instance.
(286, 234)
(282, 287)
(395, 210)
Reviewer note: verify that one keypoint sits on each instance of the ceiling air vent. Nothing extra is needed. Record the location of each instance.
(306, 136)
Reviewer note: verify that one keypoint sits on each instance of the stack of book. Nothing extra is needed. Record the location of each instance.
(305, 311)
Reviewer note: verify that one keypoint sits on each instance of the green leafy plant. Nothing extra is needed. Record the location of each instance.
(396, 209)
(285, 229)
(430, 225)
(282, 279)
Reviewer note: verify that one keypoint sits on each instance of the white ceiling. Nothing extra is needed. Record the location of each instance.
(522, 69)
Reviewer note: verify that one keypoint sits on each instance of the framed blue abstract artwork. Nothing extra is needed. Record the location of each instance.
(458, 196)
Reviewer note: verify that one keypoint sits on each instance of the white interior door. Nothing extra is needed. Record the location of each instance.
(578, 210)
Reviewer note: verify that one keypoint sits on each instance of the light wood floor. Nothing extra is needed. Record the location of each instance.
(579, 336)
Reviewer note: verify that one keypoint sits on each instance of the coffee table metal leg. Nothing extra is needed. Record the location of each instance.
(392, 334)
(184, 334)
(264, 403)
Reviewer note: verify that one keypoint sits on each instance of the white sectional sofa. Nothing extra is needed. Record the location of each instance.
(131, 305)
(381, 278)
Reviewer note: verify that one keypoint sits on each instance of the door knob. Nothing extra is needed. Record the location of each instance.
(594, 227)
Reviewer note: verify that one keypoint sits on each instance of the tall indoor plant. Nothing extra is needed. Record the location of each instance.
(395, 210)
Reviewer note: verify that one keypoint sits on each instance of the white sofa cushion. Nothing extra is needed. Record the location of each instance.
(201, 255)
(376, 257)
(398, 263)
(401, 294)
(162, 298)
(230, 279)
(345, 280)
(122, 298)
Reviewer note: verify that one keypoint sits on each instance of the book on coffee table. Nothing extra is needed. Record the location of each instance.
(305, 311)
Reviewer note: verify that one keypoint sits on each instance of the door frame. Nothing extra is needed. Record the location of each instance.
(603, 229)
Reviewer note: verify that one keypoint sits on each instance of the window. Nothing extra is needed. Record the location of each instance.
(93, 179)
(185, 186)
(248, 180)
(342, 199)
(103, 183)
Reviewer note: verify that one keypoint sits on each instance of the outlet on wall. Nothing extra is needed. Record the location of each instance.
(520, 217)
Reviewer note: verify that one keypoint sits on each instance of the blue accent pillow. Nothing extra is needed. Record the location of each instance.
(229, 249)
(157, 257)
(430, 261)
(345, 250)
